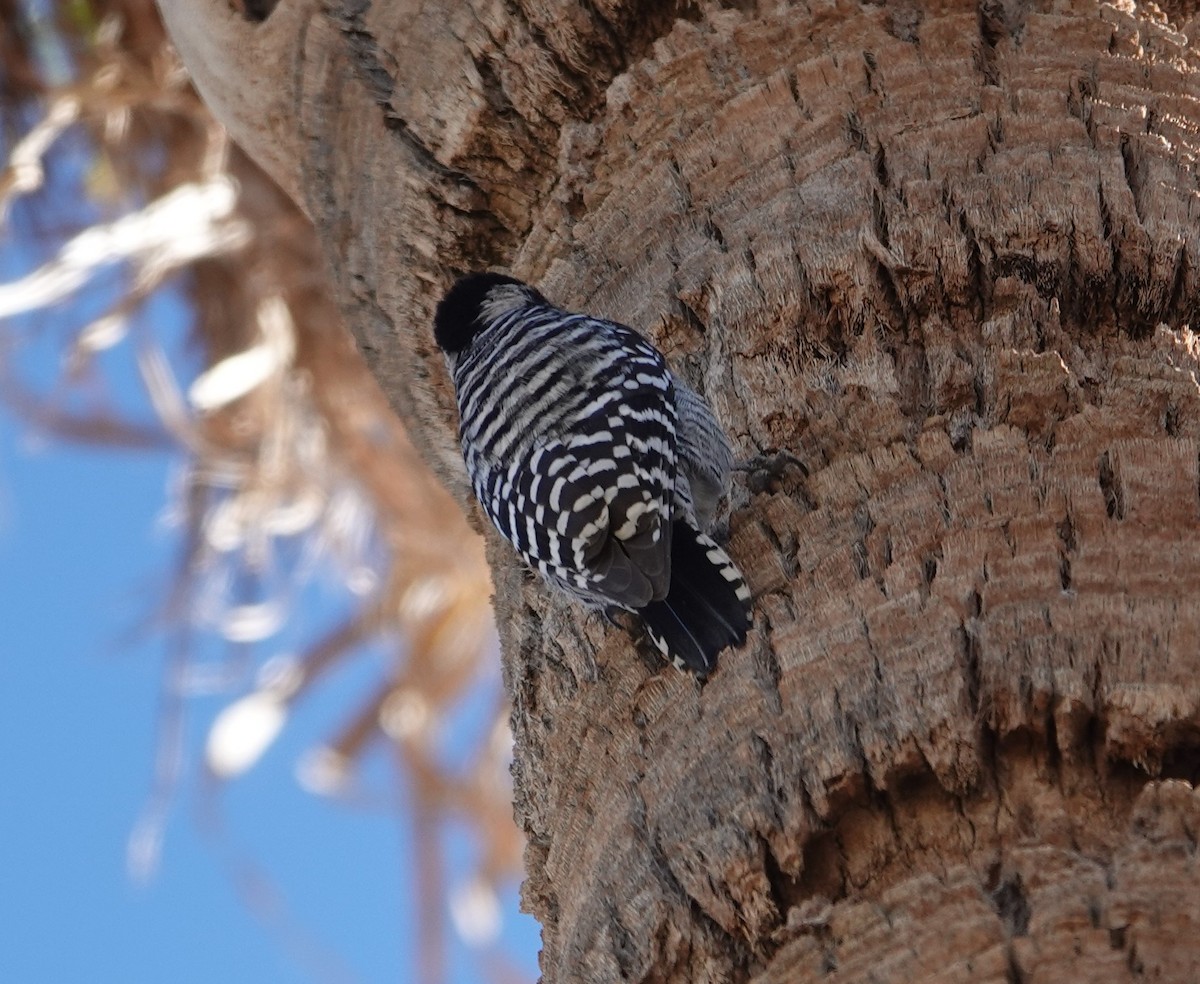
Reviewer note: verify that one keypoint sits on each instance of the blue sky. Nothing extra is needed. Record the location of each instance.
(84, 563)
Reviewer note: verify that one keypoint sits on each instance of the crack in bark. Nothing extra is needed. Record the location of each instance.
(782, 888)
(366, 56)
(1111, 487)
(1008, 898)
(1132, 165)
(1067, 548)
(257, 11)
(929, 572)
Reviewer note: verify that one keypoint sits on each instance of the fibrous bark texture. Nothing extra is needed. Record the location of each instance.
(935, 264)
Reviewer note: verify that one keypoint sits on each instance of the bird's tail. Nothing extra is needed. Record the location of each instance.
(707, 607)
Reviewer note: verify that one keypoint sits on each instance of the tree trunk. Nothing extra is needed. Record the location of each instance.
(934, 265)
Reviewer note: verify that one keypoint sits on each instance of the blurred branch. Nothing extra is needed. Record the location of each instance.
(193, 221)
(24, 173)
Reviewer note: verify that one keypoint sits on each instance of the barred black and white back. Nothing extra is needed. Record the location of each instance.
(595, 462)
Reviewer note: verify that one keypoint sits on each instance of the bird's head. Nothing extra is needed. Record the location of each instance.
(474, 302)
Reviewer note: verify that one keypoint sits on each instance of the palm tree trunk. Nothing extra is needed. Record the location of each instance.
(935, 267)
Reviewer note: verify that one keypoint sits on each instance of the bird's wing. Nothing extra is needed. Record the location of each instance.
(705, 457)
(589, 503)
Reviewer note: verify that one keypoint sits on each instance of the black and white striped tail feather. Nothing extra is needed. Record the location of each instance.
(707, 608)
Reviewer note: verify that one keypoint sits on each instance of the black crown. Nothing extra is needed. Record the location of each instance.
(457, 320)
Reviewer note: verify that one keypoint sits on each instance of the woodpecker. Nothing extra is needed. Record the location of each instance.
(598, 464)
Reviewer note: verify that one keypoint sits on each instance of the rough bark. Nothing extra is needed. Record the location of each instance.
(935, 265)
